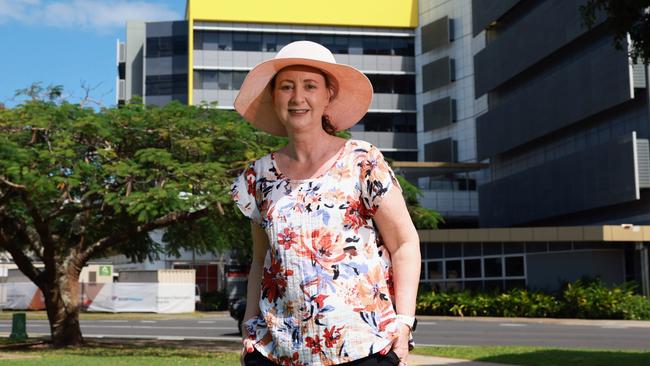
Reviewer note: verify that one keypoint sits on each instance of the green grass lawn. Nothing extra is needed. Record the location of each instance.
(119, 356)
(542, 356)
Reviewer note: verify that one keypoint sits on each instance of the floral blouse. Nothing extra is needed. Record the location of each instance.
(326, 292)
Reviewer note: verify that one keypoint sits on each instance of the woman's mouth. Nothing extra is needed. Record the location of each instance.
(298, 111)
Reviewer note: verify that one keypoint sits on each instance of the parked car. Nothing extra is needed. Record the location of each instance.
(236, 282)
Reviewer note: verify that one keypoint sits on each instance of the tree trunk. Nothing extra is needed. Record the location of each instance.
(62, 301)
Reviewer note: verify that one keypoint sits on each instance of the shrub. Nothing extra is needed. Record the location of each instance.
(214, 301)
(581, 299)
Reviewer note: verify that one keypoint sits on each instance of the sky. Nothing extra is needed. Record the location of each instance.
(69, 43)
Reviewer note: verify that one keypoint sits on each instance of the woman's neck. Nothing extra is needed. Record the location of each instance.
(310, 147)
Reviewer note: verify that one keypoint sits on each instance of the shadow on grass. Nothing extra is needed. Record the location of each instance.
(107, 348)
(572, 357)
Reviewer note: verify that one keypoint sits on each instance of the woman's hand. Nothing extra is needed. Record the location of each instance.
(247, 348)
(400, 344)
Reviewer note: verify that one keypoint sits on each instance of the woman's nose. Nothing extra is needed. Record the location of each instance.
(297, 95)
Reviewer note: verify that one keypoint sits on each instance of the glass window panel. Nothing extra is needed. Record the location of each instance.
(474, 285)
(559, 246)
(434, 251)
(269, 42)
(239, 41)
(356, 45)
(198, 40)
(423, 249)
(370, 45)
(511, 248)
(453, 250)
(473, 268)
(283, 40)
(210, 80)
(225, 41)
(472, 249)
(328, 41)
(399, 46)
(254, 42)
(384, 45)
(381, 83)
(493, 285)
(435, 270)
(512, 284)
(492, 267)
(583, 245)
(238, 79)
(211, 41)
(311, 37)
(404, 84)
(198, 81)
(410, 47)
(515, 266)
(224, 80)
(535, 247)
(453, 269)
(491, 248)
(453, 286)
(423, 271)
(340, 44)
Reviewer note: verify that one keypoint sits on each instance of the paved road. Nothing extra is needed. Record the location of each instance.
(431, 331)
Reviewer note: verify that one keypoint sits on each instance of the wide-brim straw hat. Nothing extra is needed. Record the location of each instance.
(352, 89)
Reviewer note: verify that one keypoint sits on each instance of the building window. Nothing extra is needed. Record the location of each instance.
(166, 46)
(457, 266)
(388, 122)
(166, 84)
(218, 80)
(270, 42)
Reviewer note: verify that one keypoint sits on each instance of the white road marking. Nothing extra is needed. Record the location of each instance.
(427, 323)
(206, 322)
(512, 325)
(148, 321)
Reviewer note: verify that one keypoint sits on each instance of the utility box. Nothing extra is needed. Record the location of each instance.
(96, 273)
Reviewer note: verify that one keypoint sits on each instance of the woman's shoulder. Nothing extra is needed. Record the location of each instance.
(360, 145)
(362, 148)
(260, 165)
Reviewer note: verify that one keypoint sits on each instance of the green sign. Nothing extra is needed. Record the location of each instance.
(105, 270)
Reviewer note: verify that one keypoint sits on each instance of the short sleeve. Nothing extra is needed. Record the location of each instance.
(243, 193)
(377, 179)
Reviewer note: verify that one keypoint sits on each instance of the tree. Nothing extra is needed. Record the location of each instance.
(76, 184)
(423, 218)
(622, 17)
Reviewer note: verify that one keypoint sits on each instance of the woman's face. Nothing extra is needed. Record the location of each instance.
(300, 96)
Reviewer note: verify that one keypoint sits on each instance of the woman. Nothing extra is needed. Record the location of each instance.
(336, 257)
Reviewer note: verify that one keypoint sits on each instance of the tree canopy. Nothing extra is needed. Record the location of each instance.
(622, 18)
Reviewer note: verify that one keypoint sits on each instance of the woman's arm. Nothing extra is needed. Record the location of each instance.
(401, 239)
(260, 247)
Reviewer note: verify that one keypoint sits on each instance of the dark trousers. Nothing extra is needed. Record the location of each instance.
(390, 359)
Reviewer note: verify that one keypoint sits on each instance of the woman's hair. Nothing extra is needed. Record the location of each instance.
(325, 120)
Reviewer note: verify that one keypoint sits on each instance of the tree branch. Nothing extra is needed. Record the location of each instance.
(164, 221)
(4, 181)
(23, 262)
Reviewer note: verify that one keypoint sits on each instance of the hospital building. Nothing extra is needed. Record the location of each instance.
(525, 129)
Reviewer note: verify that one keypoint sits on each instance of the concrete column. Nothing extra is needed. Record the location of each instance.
(642, 249)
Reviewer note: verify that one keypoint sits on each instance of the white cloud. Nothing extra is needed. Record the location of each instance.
(87, 14)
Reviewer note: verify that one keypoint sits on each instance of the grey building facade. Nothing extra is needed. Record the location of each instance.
(566, 130)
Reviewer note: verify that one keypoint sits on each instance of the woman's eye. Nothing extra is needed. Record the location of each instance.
(311, 86)
(285, 87)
